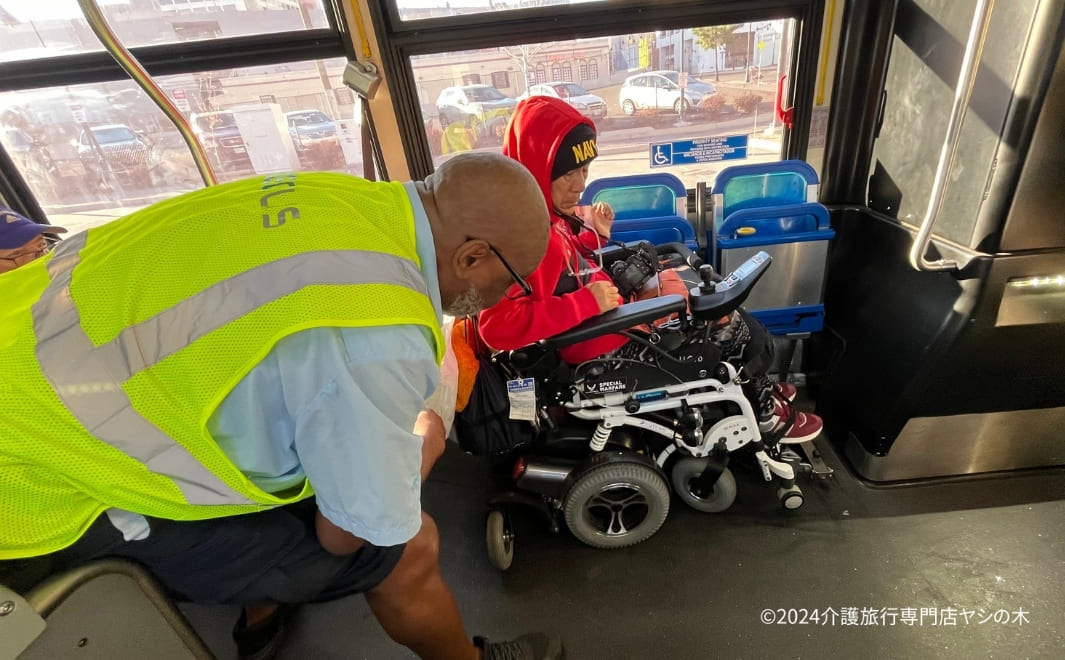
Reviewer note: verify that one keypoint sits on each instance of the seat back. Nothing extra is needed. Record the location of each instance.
(105, 609)
(773, 207)
(651, 207)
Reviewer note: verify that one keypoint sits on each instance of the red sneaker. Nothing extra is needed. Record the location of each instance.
(785, 391)
(804, 427)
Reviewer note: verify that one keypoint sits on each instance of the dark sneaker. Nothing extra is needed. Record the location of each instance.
(785, 391)
(534, 646)
(263, 640)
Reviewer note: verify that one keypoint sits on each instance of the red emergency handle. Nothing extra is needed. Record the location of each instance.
(784, 115)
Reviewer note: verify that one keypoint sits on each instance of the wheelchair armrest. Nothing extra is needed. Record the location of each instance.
(727, 295)
(622, 318)
(682, 250)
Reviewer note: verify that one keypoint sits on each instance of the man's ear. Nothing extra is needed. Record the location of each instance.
(470, 256)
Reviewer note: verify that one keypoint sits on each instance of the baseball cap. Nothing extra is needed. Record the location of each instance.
(16, 230)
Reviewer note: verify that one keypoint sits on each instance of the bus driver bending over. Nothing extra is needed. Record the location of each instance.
(228, 387)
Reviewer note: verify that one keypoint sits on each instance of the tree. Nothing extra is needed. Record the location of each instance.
(523, 54)
(713, 37)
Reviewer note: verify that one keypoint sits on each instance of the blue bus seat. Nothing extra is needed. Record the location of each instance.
(773, 207)
(651, 207)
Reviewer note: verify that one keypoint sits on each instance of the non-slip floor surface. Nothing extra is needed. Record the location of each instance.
(948, 570)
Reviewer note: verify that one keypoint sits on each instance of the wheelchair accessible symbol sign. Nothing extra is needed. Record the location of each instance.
(698, 150)
(522, 393)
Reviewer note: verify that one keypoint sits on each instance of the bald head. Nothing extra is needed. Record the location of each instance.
(486, 212)
(495, 198)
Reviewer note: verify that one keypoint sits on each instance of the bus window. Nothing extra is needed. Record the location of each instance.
(414, 10)
(95, 152)
(646, 92)
(35, 29)
(919, 90)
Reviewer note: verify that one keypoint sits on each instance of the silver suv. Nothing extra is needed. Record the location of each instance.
(481, 107)
(660, 90)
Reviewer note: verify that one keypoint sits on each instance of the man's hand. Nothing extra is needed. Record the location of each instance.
(606, 294)
(434, 439)
(602, 218)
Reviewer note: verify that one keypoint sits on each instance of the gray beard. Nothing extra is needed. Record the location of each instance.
(466, 303)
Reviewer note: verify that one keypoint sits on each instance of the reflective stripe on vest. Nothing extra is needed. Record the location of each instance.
(83, 375)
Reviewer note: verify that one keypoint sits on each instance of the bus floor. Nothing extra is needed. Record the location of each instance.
(965, 569)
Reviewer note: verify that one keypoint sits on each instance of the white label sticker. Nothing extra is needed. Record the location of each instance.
(522, 393)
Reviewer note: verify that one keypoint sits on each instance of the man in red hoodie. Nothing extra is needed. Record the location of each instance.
(567, 287)
(557, 144)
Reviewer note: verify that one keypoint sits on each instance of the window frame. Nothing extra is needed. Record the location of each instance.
(179, 57)
(399, 40)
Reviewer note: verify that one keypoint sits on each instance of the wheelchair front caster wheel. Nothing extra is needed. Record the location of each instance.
(499, 539)
(790, 498)
(720, 496)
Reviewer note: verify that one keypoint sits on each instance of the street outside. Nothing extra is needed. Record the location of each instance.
(623, 148)
(624, 141)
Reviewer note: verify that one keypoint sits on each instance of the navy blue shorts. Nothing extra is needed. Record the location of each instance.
(271, 556)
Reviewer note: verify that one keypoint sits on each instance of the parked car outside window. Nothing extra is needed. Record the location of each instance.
(315, 136)
(221, 139)
(660, 90)
(582, 100)
(482, 108)
(127, 153)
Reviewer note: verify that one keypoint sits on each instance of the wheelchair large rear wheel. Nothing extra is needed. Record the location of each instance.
(617, 505)
(722, 495)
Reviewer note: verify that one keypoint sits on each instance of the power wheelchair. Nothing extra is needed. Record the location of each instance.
(613, 434)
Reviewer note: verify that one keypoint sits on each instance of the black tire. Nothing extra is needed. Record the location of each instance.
(499, 539)
(617, 505)
(681, 104)
(628, 107)
(724, 491)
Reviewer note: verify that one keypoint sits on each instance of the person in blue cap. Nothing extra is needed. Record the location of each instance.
(22, 240)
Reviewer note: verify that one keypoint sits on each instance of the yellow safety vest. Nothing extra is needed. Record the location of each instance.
(117, 348)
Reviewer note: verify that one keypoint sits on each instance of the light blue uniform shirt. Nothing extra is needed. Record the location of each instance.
(337, 406)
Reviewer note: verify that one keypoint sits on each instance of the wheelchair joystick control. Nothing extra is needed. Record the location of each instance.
(706, 274)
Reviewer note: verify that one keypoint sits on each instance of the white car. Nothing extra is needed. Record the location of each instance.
(660, 90)
(582, 100)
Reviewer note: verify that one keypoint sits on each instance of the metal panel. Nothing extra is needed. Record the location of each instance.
(797, 276)
(1033, 300)
(967, 444)
(1034, 221)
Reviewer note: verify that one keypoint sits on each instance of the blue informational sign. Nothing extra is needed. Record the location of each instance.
(698, 150)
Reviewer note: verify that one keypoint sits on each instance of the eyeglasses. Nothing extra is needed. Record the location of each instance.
(526, 290)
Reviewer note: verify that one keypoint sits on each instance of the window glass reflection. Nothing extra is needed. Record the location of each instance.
(413, 10)
(641, 90)
(92, 153)
(43, 28)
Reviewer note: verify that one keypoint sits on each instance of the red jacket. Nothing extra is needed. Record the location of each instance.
(560, 300)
